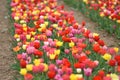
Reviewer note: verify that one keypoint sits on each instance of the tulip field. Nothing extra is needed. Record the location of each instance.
(49, 44)
(105, 12)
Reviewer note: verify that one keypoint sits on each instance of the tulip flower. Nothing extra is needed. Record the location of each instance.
(28, 76)
(87, 71)
(23, 71)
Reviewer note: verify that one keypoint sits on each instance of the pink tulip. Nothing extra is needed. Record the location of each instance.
(13, 4)
(107, 78)
(67, 51)
(52, 67)
(69, 71)
(48, 33)
(24, 55)
(35, 69)
(87, 71)
(58, 62)
(57, 77)
(41, 68)
(19, 56)
(60, 71)
(30, 49)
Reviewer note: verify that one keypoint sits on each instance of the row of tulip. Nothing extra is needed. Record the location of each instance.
(51, 45)
(104, 12)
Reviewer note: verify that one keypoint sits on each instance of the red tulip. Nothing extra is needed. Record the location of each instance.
(117, 58)
(82, 58)
(97, 78)
(86, 33)
(101, 73)
(91, 64)
(75, 26)
(18, 31)
(96, 47)
(102, 51)
(28, 76)
(112, 63)
(51, 74)
(83, 23)
(118, 69)
(23, 63)
(36, 44)
(79, 65)
(65, 39)
(38, 53)
(101, 42)
(82, 45)
(96, 38)
(66, 62)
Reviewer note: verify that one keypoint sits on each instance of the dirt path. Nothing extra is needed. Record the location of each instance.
(6, 57)
(109, 40)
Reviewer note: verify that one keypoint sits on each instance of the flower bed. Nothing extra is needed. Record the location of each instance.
(51, 45)
(105, 13)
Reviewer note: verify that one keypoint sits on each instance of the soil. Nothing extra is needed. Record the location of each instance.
(6, 56)
(110, 40)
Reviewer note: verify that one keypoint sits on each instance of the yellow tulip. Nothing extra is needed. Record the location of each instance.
(59, 43)
(29, 67)
(114, 77)
(12, 9)
(107, 56)
(25, 28)
(71, 44)
(28, 36)
(16, 18)
(85, 1)
(102, 14)
(73, 77)
(116, 49)
(24, 25)
(55, 25)
(33, 33)
(39, 29)
(24, 47)
(95, 34)
(79, 76)
(47, 9)
(57, 52)
(110, 17)
(45, 17)
(45, 67)
(118, 21)
(36, 62)
(32, 39)
(23, 71)
(45, 2)
(43, 26)
(46, 23)
(64, 22)
(52, 56)
(22, 21)
(16, 36)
